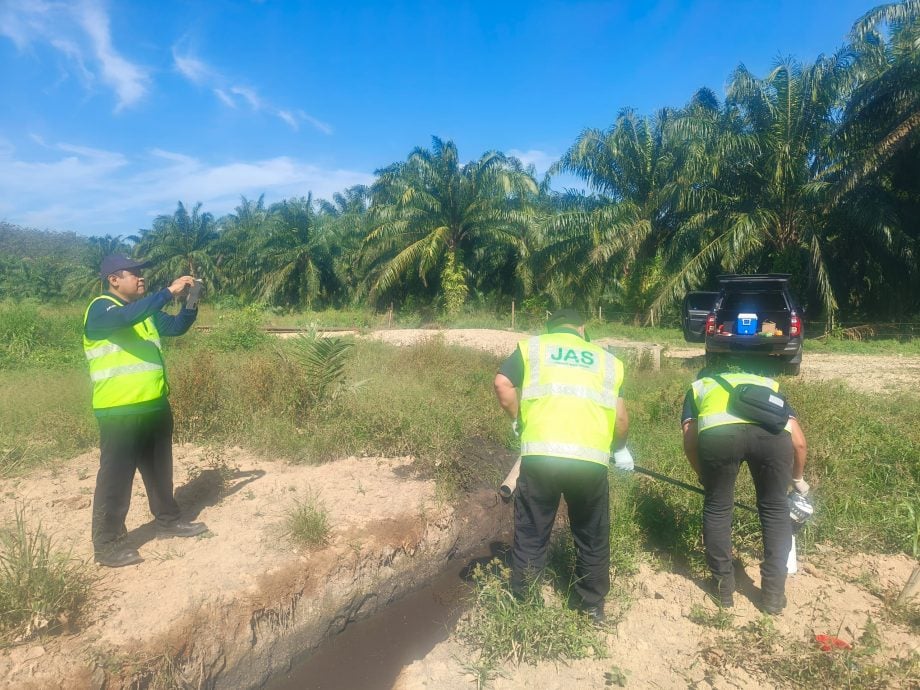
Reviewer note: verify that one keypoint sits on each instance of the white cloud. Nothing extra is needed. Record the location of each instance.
(222, 95)
(79, 31)
(128, 80)
(541, 160)
(191, 68)
(249, 95)
(287, 117)
(319, 124)
(93, 191)
(231, 95)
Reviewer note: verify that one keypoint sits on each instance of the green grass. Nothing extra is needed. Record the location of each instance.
(45, 416)
(500, 628)
(41, 588)
(40, 336)
(306, 523)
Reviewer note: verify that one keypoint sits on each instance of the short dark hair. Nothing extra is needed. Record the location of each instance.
(565, 317)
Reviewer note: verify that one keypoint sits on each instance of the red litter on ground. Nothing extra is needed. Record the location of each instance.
(829, 643)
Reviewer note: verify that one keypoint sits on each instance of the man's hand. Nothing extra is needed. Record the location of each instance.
(181, 284)
(516, 428)
(800, 486)
(623, 459)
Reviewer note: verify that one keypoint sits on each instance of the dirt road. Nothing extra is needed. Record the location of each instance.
(888, 372)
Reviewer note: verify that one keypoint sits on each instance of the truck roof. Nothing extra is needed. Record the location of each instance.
(760, 279)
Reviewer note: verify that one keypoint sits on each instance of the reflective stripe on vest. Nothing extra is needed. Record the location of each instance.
(712, 400)
(565, 450)
(568, 398)
(126, 368)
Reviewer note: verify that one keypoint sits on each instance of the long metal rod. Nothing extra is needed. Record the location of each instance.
(683, 485)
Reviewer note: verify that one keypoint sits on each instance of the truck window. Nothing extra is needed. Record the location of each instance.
(701, 301)
(754, 302)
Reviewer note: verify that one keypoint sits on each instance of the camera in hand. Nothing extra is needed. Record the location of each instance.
(194, 294)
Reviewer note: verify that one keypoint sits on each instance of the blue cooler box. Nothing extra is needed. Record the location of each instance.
(746, 324)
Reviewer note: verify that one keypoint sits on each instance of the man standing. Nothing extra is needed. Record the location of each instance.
(716, 441)
(563, 392)
(121, 339)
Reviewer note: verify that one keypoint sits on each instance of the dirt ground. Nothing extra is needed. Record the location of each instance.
(384, 518)
(656, 645)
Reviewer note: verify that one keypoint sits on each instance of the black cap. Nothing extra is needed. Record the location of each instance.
(114, 263)
(565, 317)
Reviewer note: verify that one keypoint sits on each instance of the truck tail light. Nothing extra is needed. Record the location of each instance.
(711, 324)
(795, 326)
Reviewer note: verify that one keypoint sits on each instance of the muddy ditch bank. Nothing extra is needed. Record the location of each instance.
(235, 609)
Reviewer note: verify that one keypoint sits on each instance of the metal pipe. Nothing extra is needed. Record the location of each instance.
(683, 485)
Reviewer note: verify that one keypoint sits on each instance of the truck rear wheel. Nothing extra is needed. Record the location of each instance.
(792, 369)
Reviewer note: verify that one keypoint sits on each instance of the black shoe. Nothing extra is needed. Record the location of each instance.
(721, 590)
(180, 528)
(773, 603)
(118, 557)
(595, 613)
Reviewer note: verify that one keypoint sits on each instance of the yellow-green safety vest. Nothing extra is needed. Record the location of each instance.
(712, 399)
(568, 398)
(127, 367)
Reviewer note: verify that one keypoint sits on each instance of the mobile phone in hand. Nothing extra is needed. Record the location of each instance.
(194, 294)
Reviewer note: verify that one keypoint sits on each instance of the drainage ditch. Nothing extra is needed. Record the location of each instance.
(370, 654)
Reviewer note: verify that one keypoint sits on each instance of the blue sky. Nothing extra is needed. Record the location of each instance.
(114, 111)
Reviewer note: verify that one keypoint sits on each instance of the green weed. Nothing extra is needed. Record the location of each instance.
(307, 522)
(41, 588)
(719, 618)
(501, 628)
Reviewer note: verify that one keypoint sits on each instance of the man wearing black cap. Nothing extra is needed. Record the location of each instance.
(563, 393)
(121, 340)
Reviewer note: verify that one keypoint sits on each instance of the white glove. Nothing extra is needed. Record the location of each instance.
(623, 459)
(515, 428)
(801, 486)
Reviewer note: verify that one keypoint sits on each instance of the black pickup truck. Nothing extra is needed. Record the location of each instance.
(770, 322)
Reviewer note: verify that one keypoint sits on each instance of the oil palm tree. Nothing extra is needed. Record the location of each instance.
(346, 224)
(241, 231)
(291, 257)
(611, 241)
(432, 213)
(182, 244)
(760, 201)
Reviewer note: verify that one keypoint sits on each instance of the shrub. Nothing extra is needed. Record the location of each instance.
(241, 330)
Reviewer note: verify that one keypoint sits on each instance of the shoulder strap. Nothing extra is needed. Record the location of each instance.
(722, 382)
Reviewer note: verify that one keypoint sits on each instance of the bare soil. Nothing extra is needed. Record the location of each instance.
(233, 607)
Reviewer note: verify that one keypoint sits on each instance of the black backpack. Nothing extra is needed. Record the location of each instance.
(755, 403)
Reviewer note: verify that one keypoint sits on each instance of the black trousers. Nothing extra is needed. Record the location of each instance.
(128, 443)
(586, 490)
(769, 458)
